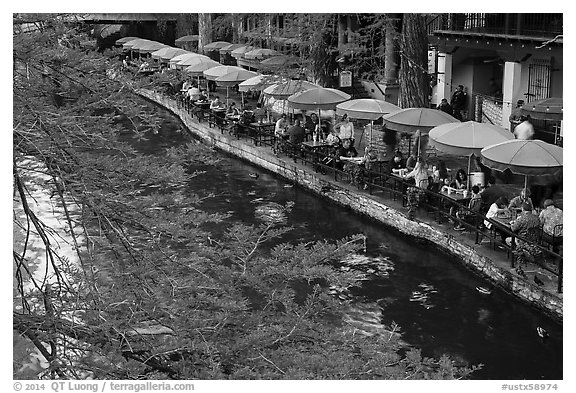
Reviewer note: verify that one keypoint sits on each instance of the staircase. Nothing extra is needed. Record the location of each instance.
(356, 90)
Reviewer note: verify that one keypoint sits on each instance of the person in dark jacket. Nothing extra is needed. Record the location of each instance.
(446, 107)
(458, 102)
(296, 133)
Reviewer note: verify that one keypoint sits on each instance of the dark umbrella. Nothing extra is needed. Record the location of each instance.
(546, 109)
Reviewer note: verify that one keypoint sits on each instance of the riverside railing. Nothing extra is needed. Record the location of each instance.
(382, 184)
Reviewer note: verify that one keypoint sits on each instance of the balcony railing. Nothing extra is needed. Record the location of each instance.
(529, 25)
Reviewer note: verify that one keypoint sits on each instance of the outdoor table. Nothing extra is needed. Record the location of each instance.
(219, 114)
(456, 195)
(264, 130)
(315, 147)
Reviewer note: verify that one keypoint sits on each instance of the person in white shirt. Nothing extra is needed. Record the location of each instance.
(281, 126)
(346, 129)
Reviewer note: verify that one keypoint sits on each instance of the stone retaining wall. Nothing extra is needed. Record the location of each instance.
(548, 302)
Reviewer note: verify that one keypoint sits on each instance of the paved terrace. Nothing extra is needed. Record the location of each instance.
(383, 201)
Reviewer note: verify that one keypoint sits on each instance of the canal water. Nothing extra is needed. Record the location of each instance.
(424, 290)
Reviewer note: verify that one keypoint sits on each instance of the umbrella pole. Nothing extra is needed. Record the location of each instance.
(371, 130)
(469, 162)
(525, 181)
(319, 132)
(207, 88)
(242, 93)
(226, 96)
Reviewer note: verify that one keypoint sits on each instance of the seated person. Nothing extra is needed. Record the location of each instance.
(500, 205)
(432, 185)
(217, 104)
(232, 110)
(440, 172)
(519, 200)
(419, 174)
(550, 217)
(491, 193)
(312, 124)
(259, 113)
(397, 164)
(474, 207)
(296, 133)
(333, 139)
(193, 93)
(281, 126)
(345, 152)
(460, 180)
(411, 162)
(203, 97)
(526, 225)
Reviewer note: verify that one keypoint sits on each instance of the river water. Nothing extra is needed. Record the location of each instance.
(412, 283)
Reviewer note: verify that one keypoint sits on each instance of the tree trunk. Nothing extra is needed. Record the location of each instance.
(391, 50)
(414, 83)
(236, 26)
(204, 30)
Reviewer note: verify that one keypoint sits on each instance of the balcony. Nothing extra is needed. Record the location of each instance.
(520, 26)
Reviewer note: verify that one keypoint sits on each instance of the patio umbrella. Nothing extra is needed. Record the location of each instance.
(186, 38)
(285, 89)
(199, 68)
(193, 60)
(229, 48)
(279, 61)
(413, 119)
(216, 45)
(546, 109)
(149, 47)
(175, 61)
(233, 78)
(524, 157)
(168, 53)
(260, 53)
(239, 52)
(122, 40)
(317, 98)
(467, 138)
(366, 109)
(259, 82)
(216, 72)
(202, 65)
(134, 43)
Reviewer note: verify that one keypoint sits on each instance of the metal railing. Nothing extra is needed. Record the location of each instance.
(379, 182)
(545, 25)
